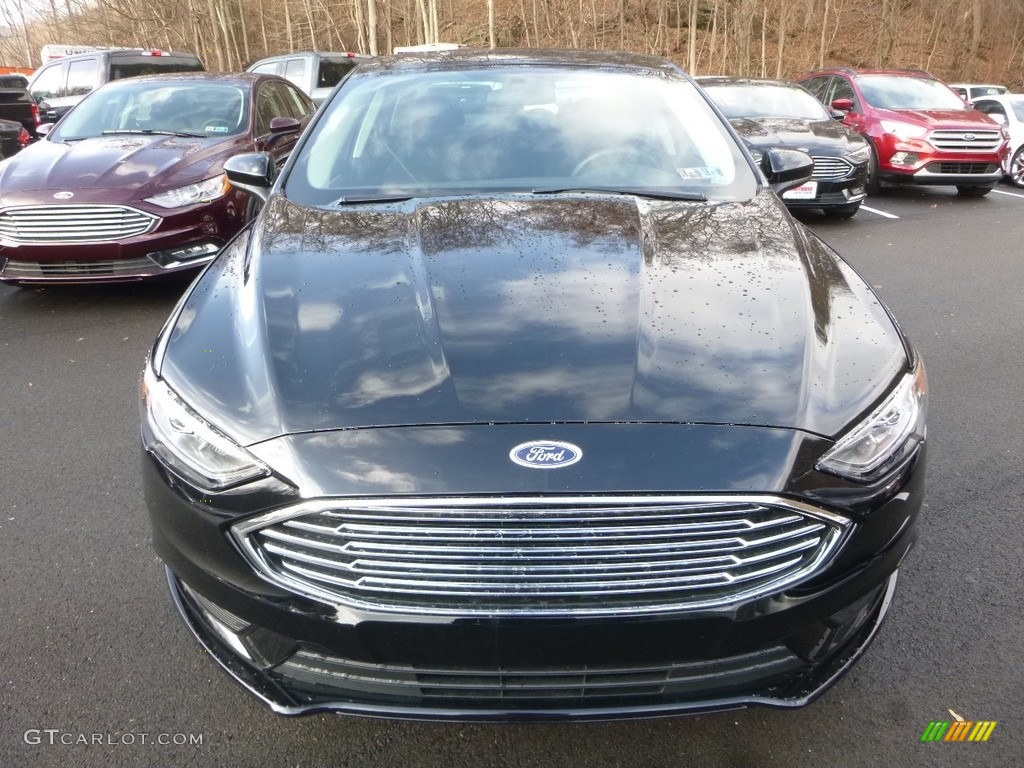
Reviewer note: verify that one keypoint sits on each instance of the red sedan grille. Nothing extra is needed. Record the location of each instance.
(53, 224)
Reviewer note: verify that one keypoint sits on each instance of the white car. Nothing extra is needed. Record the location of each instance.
(971, 91)
(1008, 110)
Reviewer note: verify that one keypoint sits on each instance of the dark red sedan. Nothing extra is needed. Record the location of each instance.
(130, 184)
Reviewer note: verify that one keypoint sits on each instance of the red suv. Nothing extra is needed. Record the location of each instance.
(919, 130)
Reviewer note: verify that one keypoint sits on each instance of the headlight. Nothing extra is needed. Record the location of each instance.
(904, 130)
(202, 192)
(885, 437)
(859, 155)
(190, 446)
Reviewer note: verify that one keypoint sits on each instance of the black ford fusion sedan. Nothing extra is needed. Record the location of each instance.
(774, 113)
(505, 409)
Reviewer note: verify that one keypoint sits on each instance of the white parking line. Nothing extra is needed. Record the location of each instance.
(880, 213)
(1000, 192)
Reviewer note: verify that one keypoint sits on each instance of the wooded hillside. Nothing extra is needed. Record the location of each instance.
(968, 40)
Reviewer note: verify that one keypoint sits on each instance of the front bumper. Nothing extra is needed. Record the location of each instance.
(309, 680)
(181, 242)
(300, 655)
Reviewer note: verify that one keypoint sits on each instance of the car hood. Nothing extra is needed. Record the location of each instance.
(578, 308)
(944, 118)
(116, 167)
(811, 135)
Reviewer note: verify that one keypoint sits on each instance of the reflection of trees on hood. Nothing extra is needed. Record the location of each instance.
(476, 223)
(442, 225)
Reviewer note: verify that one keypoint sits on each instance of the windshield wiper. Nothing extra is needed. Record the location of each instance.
(696, 197)
(155, 132)
(357, 200)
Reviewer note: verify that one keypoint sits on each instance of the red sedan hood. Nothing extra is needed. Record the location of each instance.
(125, 167)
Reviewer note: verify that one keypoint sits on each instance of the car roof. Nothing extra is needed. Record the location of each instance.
(706, 80)
(857, 71)
(1002, 97)
(475, 58)
(123, 52)
(236, 78)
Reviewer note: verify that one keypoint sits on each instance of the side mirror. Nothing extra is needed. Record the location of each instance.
(785, 168)
(44, 129)
(254, 172)
(842, 105)
(281, 127)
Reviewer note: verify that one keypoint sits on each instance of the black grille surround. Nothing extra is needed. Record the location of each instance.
(540, 556)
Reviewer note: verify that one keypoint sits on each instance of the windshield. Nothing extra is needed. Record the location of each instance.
(902, 92)
(1017, 105)
(754, 101)
(196, 108)
(521, 129)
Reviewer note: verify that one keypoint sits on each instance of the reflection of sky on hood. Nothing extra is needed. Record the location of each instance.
(569, 309)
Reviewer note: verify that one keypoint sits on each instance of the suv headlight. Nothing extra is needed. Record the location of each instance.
(201, 192)
(189, 445)
(859, 155)
(888, 435)
(904, 130)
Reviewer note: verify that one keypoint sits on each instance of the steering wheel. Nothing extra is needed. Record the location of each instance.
(629, 156)
(216, 126)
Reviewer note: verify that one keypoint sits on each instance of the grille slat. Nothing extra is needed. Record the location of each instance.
(539, 555)
(956, 141)
(643, 584)
(37, 269)
(829, 168)
(54, 224)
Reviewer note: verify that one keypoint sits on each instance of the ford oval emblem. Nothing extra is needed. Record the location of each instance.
(63, 195)
(545, 454)
(969, 137)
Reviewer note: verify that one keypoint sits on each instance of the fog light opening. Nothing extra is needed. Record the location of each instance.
(186, 254)
(904, 158)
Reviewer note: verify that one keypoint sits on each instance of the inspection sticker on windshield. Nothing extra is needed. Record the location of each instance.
(700, 173)
(807, 191)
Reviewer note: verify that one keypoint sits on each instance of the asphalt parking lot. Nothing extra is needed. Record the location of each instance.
(99, 671)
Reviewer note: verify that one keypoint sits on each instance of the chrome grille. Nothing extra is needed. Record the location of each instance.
(565, 683)
(27, 270)
(827, 168)
(957, 141)
(57, 224)
(540, 555)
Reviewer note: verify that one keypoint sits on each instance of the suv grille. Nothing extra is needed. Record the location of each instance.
(958, 141)
(826, 168)
(540, 555)
(51, 224)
